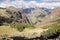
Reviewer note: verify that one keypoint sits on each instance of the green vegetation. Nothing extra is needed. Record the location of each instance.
(20, 27)
(52, 29)
(7, 31)
(29, 26)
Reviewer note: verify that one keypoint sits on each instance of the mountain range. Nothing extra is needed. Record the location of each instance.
(29, 15)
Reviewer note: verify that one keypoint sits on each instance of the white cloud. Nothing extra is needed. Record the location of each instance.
(51, 0)
(21, 3)
(50, 5)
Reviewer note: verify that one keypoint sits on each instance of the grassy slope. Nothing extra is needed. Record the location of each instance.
(7, 31)
(52, 29)
(47, 31)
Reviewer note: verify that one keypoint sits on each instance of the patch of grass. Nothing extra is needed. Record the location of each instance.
(18, 26)
(7, 31)
(29, 26)
(45, 27)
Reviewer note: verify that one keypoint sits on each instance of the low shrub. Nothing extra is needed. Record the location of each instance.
(18, 26)
(29, 26)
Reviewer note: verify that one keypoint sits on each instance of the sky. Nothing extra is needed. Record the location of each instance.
(30, 3)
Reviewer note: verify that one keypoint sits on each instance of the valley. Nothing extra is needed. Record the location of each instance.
(15, 22)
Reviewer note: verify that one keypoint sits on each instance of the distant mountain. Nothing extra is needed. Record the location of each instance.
(55, 13)
(36, 15)
(52, 18)
(29, 15)
(47, 10)
(28, 10)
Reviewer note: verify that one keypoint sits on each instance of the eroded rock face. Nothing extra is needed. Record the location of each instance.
(36, 15)
(15, 15)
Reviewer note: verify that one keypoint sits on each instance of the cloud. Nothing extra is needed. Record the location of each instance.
(23, 4)
(18, 3)
(50, 5)
(51, 0)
